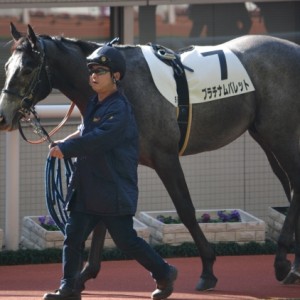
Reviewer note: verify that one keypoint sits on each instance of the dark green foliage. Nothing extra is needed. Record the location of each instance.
(22, 257)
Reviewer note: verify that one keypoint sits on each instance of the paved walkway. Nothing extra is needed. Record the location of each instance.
(240, 278)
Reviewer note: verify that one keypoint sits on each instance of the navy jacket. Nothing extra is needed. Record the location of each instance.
(105, 180)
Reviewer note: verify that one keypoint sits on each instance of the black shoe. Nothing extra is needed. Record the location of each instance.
(164, 287)
(62, 294)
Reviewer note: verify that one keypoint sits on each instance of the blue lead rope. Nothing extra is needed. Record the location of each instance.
(57, 178)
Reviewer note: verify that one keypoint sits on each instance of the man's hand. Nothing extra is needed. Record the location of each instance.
(55, 152)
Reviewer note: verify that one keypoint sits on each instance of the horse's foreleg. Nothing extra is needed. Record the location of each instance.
(93, 265)
(169, 170)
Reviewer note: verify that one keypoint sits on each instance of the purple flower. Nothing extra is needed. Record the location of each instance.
(161, 218)
(51, 222)
(47, 223)
(205, 218)
(235, 216)
(232, 216)
(223, 216)
(42, 219)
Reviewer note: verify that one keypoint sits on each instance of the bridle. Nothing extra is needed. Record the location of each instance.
(27, 110)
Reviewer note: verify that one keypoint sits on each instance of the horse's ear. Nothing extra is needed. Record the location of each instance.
(14, 32)
(32, 37)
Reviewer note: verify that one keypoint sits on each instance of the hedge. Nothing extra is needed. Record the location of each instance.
(21, 257)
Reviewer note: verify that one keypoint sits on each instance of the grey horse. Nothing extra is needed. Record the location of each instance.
(271, 114)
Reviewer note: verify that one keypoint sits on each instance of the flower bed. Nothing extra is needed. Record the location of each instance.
(34, 236)
(275, 220)
(248, 229)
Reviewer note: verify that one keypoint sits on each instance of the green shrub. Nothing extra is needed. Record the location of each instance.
(21, 257)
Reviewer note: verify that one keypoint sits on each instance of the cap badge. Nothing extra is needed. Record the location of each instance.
(103, 59)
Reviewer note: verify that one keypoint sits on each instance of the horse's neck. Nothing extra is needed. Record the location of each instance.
(77, 94)
(80, 101)
(69, 75)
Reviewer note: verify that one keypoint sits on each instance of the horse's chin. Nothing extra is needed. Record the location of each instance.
(10, 126)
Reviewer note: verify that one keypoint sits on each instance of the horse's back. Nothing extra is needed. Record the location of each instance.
(260, 43)
(267, 55)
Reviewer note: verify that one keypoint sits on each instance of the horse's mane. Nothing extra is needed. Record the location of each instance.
(85, 46)
(62, 43)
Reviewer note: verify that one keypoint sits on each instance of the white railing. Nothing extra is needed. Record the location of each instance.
(12, 222)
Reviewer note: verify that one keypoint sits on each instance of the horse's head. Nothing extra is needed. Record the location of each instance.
(27, 81)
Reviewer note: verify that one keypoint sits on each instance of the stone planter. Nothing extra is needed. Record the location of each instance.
(1, 239)
(249, 229)
(34, 236)
(275, 221)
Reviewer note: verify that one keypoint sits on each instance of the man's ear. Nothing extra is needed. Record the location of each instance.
(117, 75)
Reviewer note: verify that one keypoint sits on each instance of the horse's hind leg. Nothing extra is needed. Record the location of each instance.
(294, 274)
(170, 172)
(281, 264)
(93, 265)
(277, 169)
(287, 156)
(290, 162)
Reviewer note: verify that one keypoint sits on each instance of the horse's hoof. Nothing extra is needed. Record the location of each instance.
(282, 269)
(206, 284)
(293, 277)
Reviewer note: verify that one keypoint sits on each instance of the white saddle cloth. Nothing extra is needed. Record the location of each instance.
(205, 83)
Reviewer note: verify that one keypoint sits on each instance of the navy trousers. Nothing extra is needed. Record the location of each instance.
(79, 227)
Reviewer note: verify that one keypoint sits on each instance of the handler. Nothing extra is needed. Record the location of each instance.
(104, 186)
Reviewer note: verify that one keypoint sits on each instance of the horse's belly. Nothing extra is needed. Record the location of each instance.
(217, 123)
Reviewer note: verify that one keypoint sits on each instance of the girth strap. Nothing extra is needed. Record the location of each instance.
(184, 115)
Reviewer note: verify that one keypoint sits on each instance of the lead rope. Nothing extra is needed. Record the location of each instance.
(55, 186)
(38, 129)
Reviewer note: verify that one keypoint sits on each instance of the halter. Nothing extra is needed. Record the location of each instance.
(27, 109)
(28, 98)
